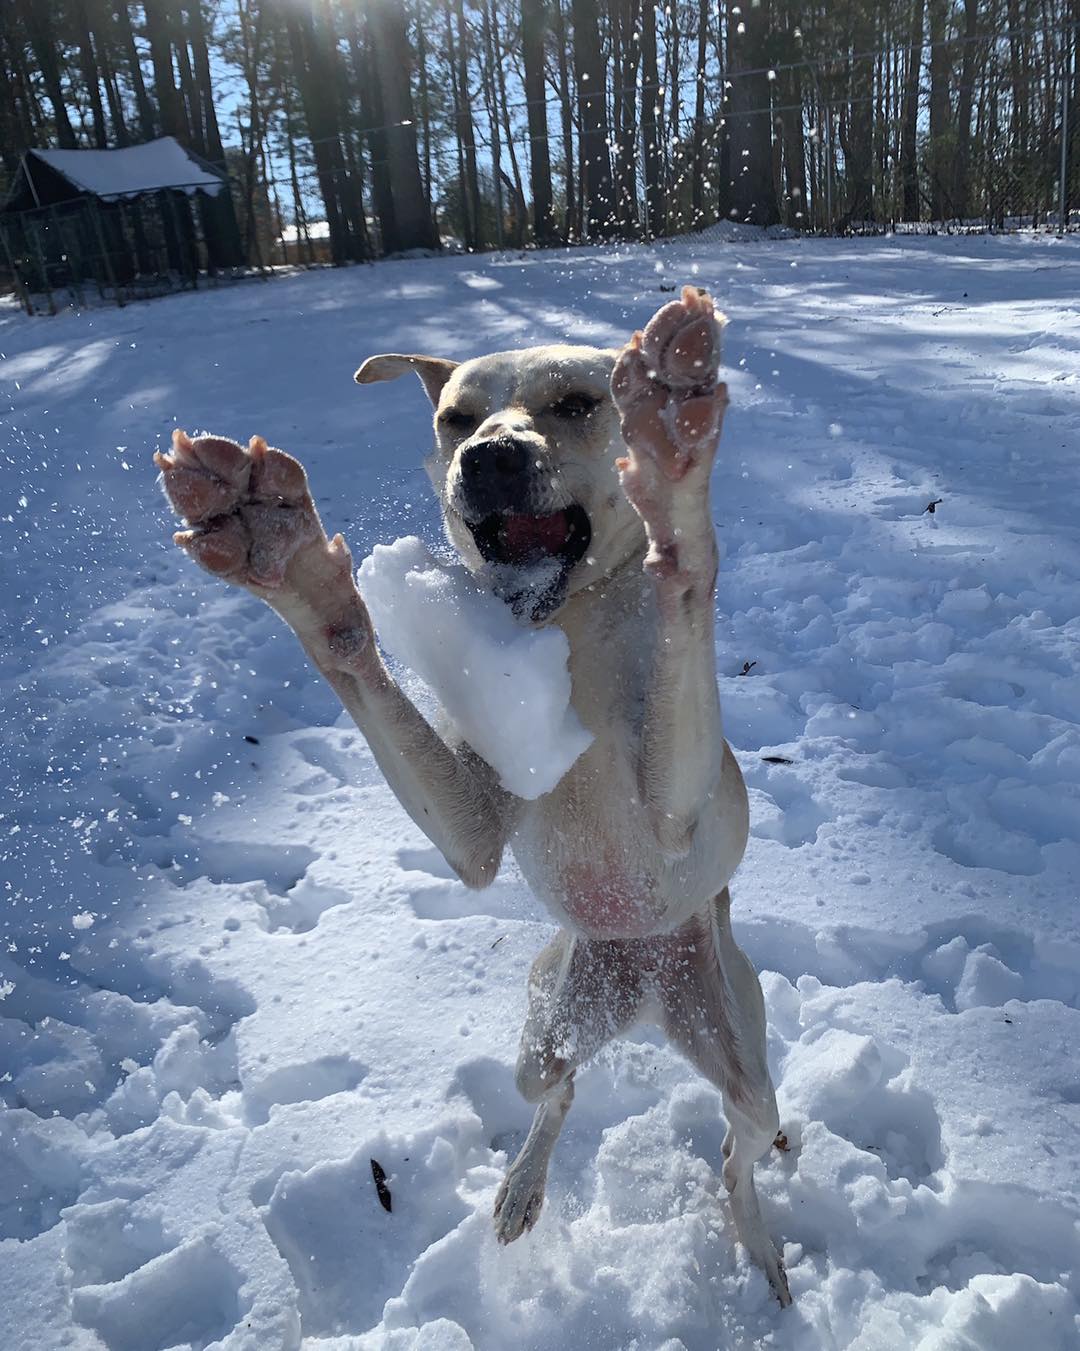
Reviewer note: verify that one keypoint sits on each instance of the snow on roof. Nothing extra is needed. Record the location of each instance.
(163, 163)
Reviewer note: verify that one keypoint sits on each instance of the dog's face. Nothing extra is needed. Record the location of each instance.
(524, 467)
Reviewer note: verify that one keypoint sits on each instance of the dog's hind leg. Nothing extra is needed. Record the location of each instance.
(581, 994)
(714, 1012)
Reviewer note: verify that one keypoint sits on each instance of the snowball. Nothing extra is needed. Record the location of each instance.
(505, 687)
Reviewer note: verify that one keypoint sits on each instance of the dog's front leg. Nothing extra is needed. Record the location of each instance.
(666, 388)
(253, 523)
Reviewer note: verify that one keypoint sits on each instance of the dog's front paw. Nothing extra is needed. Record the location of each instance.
(249, 510)
(667, 389)
(671, 403)
(668, 392)
(518, 1204)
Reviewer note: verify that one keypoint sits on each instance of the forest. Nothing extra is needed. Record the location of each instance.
(352, 129)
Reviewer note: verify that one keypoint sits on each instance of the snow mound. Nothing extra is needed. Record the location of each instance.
(739, 232)
(506, 688)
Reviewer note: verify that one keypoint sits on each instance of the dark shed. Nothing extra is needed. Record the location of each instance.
(119, 220)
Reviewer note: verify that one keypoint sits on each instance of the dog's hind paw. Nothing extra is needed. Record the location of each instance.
(518, 1204)
(249, 510)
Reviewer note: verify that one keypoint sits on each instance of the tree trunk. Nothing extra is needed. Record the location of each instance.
(491, 101)
(170, 105)
(652, 117)
(374, 118)
(347, 174)
(567, 115)
(29, 117)
(697, 181)
(592, 101)
(909, 163)
(466, 128)
(14, 136)
(425, 94)
(533, 28)
(753, 196)
(857, 127)
(88, 67)
(626, 126)
(321, 122)
(188, 91)
(147, 121)
(37, 21)
(393, 58)
(100, 27)
(251, 30)
(520, 215)
(465, 199)
(211, 131)
(962, 187)
(938, 157)
(299, 214)
(791, 127)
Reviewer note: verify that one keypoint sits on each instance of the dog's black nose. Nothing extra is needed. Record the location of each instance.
(502, 458)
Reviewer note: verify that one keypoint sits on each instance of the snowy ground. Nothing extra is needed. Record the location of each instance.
(232, 972)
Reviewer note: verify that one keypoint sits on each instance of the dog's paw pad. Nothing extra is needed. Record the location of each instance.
(666, 388)
(681, 342)
(249, 509)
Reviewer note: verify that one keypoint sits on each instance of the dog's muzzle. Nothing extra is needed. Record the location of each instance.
(496, 475)
(531, 551)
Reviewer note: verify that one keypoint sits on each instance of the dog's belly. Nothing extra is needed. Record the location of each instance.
(588, 853)
(610, 892)
(599, 897)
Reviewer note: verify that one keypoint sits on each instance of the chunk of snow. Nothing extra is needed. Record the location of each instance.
(987, 982)
(505, 687)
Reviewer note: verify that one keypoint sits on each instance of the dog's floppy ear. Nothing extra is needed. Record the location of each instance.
(433, 371)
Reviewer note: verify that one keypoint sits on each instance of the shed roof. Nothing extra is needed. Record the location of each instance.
(112, 174)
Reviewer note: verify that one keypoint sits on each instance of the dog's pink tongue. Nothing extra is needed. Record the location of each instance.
(525, 537)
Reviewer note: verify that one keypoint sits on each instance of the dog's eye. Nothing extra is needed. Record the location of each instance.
(574, 405)
(457, 419)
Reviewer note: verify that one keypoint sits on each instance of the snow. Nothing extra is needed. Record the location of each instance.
(504, 686)
(314, 229)
(111, 174)
(283, 981)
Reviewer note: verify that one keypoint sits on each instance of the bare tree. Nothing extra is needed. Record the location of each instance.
(533, 31)
(749, 120)
(600, 216)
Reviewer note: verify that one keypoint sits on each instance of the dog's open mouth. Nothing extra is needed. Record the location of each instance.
(517, 540)
(528, 559)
